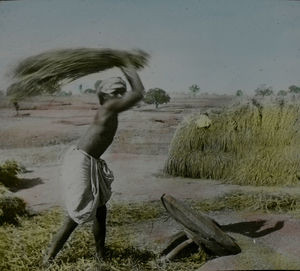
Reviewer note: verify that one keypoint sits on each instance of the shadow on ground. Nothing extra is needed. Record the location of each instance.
(252, 228)
(25, 184)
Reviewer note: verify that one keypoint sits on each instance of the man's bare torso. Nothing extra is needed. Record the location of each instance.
(103, 129)
(100, 134)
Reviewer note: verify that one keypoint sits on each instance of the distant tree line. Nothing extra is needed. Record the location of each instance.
(156, 96)
(90, 90)
(264, 90)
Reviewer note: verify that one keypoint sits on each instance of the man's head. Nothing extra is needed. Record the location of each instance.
(111, 88)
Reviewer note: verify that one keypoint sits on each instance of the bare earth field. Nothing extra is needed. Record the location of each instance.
(47, 126)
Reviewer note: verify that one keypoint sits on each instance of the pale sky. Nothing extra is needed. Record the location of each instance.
(221, 45)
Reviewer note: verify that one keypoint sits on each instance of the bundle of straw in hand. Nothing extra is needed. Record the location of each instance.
(46, 72)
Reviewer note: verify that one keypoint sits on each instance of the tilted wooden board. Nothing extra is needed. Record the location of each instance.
(200, 228)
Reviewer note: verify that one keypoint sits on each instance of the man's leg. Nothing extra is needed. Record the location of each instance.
(99, 230)
(60, 238)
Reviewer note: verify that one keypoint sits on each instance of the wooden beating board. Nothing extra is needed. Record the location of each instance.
(204, 231)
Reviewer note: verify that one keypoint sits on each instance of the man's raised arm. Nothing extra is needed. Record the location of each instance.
(130, 98)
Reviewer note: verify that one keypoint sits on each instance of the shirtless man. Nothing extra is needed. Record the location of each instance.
(84, 158)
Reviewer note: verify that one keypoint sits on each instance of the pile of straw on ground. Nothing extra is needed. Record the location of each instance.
(254, 201)
(22, 247)
(11, 207)
(247, 145)
(45, 72)
(9, 171)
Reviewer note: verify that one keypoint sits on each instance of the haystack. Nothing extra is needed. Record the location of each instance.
(249, 145)
(46, 72)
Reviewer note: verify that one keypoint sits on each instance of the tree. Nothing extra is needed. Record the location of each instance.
(156, 96)
(194, 89)
(263, 90)
(282, 93)
(294, 89)
(239, 93)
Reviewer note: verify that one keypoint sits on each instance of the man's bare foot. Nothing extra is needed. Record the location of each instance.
(100, 254)
(47, 261)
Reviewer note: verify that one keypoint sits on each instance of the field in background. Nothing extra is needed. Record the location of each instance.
(44, 129)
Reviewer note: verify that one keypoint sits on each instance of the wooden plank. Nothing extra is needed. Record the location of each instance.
(175, 240)
(174, 252)
(200, 228)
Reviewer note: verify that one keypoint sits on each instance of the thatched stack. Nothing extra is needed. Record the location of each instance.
(45, 72)
(249, 144)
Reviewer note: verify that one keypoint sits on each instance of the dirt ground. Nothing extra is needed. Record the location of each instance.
(47, 126)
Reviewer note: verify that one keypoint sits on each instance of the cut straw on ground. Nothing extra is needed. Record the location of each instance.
(22, 247)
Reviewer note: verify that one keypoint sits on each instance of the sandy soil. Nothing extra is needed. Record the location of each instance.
(47, 126)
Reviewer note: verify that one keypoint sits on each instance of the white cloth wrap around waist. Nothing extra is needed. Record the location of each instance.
(87, 184)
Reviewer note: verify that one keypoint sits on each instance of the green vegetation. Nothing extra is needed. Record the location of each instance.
(156, 96)
(247, 145)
